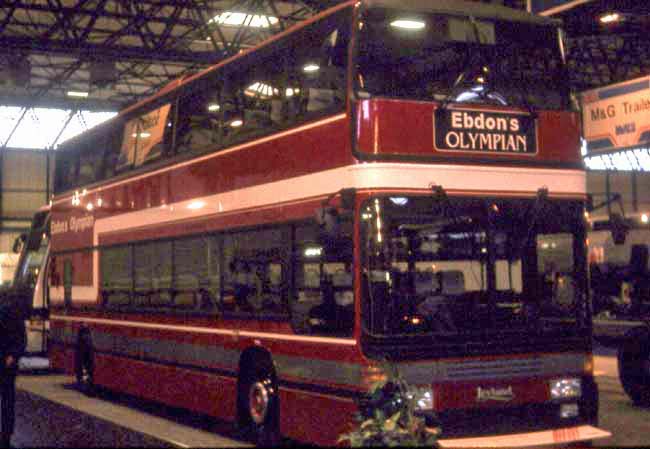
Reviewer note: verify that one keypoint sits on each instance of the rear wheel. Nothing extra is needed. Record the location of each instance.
(634, 365)
(85, 364)
(258, 404)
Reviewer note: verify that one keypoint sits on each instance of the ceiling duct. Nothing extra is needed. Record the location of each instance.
(18, 71)
(102, 73)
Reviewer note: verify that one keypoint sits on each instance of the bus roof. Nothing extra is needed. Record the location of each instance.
(464, 8)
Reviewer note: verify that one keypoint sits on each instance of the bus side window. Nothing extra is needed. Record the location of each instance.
(323, 302)
(190, 271)
(321, 61)
(146, 138)
(66, 169)
(152, 270)
(256, 275)
(116, 273)
(200, 121)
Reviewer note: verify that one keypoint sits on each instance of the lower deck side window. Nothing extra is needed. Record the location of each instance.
(281, 272)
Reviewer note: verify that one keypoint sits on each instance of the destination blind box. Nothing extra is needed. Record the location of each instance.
(484, 131)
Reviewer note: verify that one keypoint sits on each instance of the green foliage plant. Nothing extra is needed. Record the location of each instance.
(387, 416)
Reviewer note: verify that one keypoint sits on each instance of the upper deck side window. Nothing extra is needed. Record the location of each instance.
(146, 138)
(88, 160)
(298, 78)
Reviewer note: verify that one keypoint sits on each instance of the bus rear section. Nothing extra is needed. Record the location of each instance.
(431, 215)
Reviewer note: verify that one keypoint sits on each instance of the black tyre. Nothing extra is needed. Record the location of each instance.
(85, 364)
(259, 405)
(634, 365)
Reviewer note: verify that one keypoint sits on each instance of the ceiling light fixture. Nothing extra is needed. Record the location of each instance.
(240, 19)
(610, 17)
(310, 68)
(408, 24)
(77, 94)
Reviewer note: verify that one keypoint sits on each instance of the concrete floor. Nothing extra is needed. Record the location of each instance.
(51, 412)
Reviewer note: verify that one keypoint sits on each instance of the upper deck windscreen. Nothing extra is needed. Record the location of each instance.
(460, 59)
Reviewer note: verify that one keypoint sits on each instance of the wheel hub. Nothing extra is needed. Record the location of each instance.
(258, 402)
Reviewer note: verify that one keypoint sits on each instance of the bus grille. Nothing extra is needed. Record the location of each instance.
(493, 369)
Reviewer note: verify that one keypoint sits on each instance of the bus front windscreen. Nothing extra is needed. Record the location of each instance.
(473, 270)
(31, 259)
(460, 59)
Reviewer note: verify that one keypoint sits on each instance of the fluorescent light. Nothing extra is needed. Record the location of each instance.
(236, 123)
(76, 93)
(214, 107)
(313, 252)
(310, 68)
(241, 18)
(261, 89)
(399, 200)
(408, 24)
(610, 17)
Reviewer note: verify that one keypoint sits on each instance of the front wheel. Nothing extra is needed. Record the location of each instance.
(634, 365)
(258, 402)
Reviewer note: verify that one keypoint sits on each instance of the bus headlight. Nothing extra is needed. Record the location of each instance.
(565, 388)
(422, 396)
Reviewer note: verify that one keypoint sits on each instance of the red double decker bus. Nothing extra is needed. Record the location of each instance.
(391, 181)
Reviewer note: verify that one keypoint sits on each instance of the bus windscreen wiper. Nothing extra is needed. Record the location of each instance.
(440, 198)
(533, 214)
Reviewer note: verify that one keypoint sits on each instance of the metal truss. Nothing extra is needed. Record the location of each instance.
(149, 42)
(599, 60)
(121, 50)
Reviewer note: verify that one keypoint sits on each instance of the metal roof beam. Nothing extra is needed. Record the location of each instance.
(88, 50)
(42, 8)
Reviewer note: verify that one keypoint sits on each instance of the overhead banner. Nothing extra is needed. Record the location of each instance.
(617, 116)
(550, 7)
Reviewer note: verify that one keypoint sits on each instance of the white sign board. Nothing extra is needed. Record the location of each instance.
(617, 116)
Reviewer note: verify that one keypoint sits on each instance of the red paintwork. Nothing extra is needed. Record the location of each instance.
(61, 359)
(287, 156)
(201, 392)
(319, 419)
(406, 128)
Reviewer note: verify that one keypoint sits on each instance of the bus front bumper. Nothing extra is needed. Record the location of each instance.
(543, 438)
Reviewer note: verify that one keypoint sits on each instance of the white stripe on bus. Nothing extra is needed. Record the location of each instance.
(205, 330)
(216, 153)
